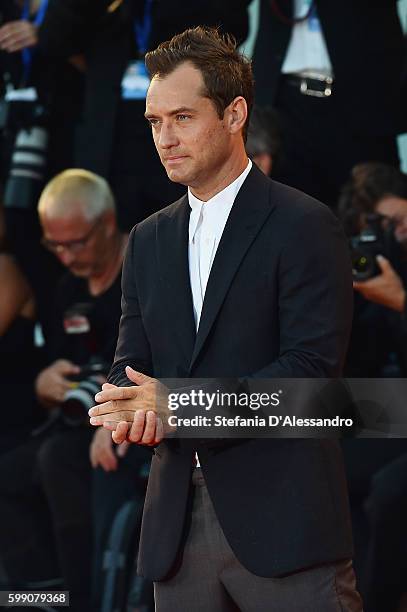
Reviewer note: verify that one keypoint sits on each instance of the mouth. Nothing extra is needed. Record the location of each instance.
(174, 159)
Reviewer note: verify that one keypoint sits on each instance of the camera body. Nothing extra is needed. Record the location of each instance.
(373, 240)
(81, 397)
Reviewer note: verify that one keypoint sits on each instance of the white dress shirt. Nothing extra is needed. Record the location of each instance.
(206, 224)
(307, 50)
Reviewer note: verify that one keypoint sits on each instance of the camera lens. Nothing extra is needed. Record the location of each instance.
(363, 266)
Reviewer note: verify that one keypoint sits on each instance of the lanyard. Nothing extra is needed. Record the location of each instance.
(142, 29)
(277, 10)
(39, 18)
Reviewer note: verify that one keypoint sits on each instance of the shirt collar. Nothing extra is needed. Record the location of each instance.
(221, 201)
(228, 193)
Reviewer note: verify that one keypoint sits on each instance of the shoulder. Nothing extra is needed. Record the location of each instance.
(290, 206)
(148, 227)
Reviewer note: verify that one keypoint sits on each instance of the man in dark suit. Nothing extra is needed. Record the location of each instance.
(328, 127)
(242, 277)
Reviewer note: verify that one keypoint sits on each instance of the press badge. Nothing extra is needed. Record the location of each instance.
(27, 94)
(76, 319)
(135, 81)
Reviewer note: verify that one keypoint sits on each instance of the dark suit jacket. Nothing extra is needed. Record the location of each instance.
(278, 304)
(365, 45)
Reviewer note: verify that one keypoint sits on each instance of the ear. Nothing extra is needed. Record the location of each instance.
(236, 115)
(110, 222)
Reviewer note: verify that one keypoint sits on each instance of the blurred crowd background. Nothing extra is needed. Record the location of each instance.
(78, 170)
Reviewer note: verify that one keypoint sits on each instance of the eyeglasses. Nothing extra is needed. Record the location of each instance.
(73, 246)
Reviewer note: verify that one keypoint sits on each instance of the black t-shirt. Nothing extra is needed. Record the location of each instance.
(85, 327)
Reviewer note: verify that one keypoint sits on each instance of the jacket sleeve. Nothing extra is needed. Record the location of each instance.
(315, 300)
(133, 348)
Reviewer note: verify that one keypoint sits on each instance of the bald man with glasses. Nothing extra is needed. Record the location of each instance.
(45, 485)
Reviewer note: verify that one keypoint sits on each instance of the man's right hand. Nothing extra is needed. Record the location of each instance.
(53, 382)
(133, 414)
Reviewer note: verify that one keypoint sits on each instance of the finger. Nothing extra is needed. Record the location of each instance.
(20, 44)
(93, 457)
(110, 425)
(113, 417)
(137, 429)
(7, 30)
(384, 264)
(121, 432)
(149, 428)
(108, 386)
(364, 286)
(105, 408)
(66, 384)
(159, 431)
(108, 461)
(18, 37)
(116, 393)
(9, 40)
(122, 449)
(137, 377)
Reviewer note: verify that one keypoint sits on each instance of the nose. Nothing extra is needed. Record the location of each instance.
(167, 137)
(401, 228)
(65, 256)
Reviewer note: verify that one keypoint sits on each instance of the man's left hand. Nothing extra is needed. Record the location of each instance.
(137, 413)
(385, 289)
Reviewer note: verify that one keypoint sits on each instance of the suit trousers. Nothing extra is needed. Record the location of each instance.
(211, 579)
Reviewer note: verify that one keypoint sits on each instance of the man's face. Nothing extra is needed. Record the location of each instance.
(192, 141)
(79, 244)
(395, 208)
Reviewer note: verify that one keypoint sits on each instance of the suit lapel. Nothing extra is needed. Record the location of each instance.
(172, 253)
(249, 212)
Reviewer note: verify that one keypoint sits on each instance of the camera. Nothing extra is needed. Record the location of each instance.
(79, 399)
(376, 238)
(29, 158)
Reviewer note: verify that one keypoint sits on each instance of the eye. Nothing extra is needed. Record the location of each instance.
(182, 117)
(153, 121)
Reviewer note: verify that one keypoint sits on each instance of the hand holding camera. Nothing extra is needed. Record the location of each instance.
(386, 288)
(53, 382)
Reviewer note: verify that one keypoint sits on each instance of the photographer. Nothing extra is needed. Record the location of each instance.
(264, 139)
(45, 485)
(373, 207)
(42, 99)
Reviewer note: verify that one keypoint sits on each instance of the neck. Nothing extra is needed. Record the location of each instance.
(228, 173)
(106, 275)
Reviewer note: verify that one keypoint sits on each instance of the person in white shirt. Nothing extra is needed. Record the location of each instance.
(331, 72)
(242, 277)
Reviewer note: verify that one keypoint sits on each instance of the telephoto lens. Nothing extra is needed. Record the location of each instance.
(79, 400)
(27, 170)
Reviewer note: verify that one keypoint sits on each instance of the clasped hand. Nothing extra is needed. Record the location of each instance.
(137, 413)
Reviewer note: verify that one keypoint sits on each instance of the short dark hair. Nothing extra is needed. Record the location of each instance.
(226, 72)
(264, 135)
(369, 183)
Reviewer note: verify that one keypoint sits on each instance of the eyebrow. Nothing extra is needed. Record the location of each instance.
(177, 111)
